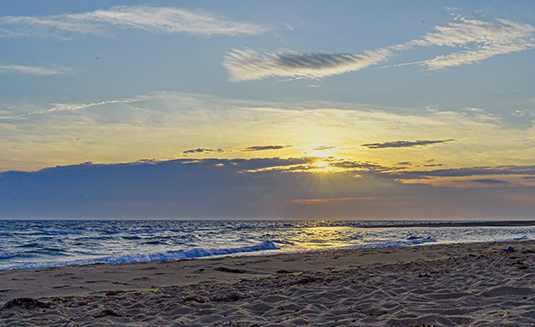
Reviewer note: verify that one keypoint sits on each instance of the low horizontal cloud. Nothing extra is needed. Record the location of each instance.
(508, 170)
(161, 20)
(237, 189)
(489, 181)
(201, 150)
(33, 70)
(324, 147)
(266, 147)
(403, 144)
(244, 65)
(358, 165)
(309, 164)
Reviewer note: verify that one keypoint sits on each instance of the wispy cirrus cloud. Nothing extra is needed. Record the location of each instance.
(74, 107)
(244, 65)
(403, 144)
(487, 39)
(161, 20)
(473, 41)
(33, 70)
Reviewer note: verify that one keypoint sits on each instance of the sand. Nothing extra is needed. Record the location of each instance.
(432, 285)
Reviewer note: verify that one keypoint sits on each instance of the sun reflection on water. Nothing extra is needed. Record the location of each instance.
(322, 238)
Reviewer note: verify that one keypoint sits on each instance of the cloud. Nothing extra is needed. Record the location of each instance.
(469, 171)
(324, 147)
(74, 107)
(238, 189)
(245, 65)
(331, 164)
(488, 39)
(479, 40)
(172, 188)
(163, 125)
(267, 147)
(489, 181)
(475, 31)
(159, 20)
(33, 70)
(201, 150)
(350, 165)
(403, 144)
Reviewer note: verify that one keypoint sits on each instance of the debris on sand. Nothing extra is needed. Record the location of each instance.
(26, 303)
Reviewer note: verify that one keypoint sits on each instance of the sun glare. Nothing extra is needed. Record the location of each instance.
(322, 167)
(325, 165)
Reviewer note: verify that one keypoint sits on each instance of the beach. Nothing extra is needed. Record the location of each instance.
(473, 284)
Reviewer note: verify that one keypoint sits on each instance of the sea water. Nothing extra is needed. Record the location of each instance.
(38, 243)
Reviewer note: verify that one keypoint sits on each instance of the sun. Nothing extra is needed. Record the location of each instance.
(324, 159)
(324, 165)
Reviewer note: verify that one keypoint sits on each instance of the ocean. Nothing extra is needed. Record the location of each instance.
(53, 243)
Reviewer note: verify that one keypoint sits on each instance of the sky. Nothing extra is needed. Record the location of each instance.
(414, 110)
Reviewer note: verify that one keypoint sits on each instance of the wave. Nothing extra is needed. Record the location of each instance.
(54, 232)
(170, 255)
(29, 244)
(396, 244)
(4, 256)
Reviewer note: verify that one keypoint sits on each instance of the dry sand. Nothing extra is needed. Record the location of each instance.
(433, 285)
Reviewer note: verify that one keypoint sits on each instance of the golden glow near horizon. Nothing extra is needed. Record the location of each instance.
(350, 138)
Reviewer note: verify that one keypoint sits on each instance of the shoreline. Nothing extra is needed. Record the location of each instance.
(361, 284)
(260, 253)
(63, 280)
(32, 252)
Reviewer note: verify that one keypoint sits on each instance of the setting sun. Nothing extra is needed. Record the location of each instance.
(324, 167)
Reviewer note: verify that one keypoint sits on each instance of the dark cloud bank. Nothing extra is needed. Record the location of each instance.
(235, 189)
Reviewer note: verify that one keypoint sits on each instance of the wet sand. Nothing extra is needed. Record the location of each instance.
(478, 284)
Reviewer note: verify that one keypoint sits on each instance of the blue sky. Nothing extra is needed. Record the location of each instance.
(378, 109)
